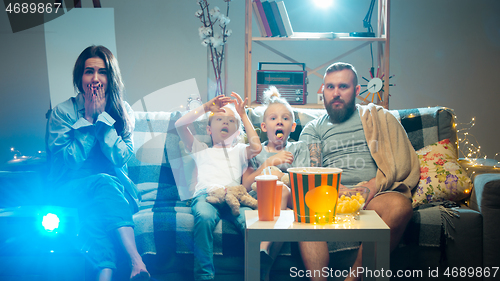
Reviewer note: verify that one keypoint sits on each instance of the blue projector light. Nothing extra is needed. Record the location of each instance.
(50, 222)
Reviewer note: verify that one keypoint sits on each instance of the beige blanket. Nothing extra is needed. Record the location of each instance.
(398, 164)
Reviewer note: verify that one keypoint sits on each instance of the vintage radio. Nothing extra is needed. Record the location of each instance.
(291, 84)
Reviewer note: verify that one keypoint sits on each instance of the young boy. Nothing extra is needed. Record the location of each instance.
(278, 122)
(218, 166)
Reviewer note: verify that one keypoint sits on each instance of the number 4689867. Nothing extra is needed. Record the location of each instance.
(471, 272)
(32, 8)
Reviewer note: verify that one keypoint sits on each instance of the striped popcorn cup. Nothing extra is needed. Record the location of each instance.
(315, 193)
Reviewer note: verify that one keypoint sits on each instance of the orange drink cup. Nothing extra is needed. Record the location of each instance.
(315, 193)
(277, 198)
(266, 190)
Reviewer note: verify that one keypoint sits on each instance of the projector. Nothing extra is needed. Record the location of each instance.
(38, 229)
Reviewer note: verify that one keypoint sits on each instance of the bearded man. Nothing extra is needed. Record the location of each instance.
(369, 145)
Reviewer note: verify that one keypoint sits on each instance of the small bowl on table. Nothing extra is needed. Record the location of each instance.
(351, 200)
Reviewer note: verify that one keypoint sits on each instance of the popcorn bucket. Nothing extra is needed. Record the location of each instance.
(315, 193)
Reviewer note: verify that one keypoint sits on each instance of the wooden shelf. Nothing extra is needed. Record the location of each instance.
(360, 39)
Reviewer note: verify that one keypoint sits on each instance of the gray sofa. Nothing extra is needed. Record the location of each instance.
(164, 174)
(464, 237)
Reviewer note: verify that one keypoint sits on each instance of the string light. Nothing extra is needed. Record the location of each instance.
(16, 153)
(468, 145)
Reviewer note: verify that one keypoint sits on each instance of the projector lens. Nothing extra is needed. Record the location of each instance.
(50, 222)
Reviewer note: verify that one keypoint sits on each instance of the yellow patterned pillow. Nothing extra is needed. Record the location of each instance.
(441, 177)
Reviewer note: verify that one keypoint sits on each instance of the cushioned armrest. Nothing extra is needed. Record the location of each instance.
(479, 166)
(486, 189)
(486, 199)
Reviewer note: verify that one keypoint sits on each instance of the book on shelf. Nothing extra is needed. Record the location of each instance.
(270, 18)
(277, 18)
(285, 19)
(263, 18)
(258, 19)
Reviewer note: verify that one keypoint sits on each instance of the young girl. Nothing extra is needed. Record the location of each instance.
(278, 123)
(218, 166)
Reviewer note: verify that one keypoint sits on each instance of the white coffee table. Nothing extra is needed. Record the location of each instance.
(370, 229)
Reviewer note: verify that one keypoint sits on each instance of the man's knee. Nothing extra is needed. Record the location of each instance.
(392, 204)
(313, 246)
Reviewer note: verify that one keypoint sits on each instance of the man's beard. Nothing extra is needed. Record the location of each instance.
(339, 115)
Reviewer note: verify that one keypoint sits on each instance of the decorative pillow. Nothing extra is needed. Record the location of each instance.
(441, 177)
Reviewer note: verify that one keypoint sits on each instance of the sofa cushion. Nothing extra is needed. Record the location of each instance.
(170, 230)
(425, 126)
(150, 169)
(162, 172)
(441, 177)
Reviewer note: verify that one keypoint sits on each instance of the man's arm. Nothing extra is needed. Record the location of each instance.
(311, 138)
(372, 186)
(315, 154)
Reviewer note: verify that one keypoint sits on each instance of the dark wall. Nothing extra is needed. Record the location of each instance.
(24, 90)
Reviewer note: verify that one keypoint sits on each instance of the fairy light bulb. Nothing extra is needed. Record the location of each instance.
(467, 143)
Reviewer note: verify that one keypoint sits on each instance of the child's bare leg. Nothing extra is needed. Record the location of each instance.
(270, 250)
(285, 197)
(127, 239)
(105, 274)
(288, 199)
(275, 249)
(266, 260)
(265, 246)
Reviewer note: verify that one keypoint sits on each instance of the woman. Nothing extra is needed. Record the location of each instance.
(89, 143)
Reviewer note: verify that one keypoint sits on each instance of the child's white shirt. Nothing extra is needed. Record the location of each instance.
(218, 168)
